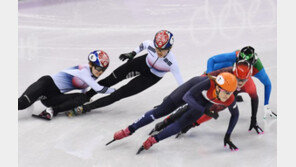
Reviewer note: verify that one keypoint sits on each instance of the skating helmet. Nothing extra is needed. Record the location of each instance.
(242, 70)
(163, 40)
(248, 54)
(99, 59)
(226, 81)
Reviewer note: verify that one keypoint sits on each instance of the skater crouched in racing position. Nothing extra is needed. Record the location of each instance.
(247, 53)
(147, 70)
(243, 71)
(51, 89)
(200, 93)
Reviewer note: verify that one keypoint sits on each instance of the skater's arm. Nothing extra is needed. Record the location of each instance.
(195, 94)
(263, 77)
(143, 46)
(221, 61)
(85, 76)
(177, 74)
(234, 117)
(250, 88)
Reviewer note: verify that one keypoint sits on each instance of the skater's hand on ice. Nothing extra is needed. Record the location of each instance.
(232, 147)
(255, 126)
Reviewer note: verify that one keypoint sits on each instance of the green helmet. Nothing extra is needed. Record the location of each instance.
(248, 54)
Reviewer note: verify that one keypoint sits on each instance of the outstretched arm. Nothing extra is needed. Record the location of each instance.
(221, 61)
(234, 117)
(233, 120)
(263, 77)
(195, 94)
(177, 74)
(144, 45)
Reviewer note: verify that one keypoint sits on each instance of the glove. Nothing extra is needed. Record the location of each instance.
(232, 147)
(186, 129)
(160, 125)
(172, 118)
(267, 111)
(212, 114)
(255, 126)
(76, 111)
(129, 56)
(239, 98)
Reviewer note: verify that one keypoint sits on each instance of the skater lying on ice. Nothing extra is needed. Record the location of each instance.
(52, 89)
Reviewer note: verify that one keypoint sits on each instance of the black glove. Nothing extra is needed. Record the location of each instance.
(161, 125)
(129, 56)
(186, 129)
(172, 118)
(239, 98)
(232, 147)
(255, 126)
(212, 114)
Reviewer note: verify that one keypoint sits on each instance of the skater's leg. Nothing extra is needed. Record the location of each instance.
(186, 119)
(66, 102)
(127, 70)
(165, 108)
(136, 85)
(42, 87)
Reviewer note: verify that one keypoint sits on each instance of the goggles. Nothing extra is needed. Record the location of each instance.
(251, 58)
(98, 68)
(241, 80)
(225, 91)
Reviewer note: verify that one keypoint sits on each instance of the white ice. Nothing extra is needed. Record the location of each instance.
(56, 34)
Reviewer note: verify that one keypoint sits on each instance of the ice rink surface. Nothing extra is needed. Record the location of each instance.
(57, 34)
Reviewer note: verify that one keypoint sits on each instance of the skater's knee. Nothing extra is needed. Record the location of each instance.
(44, 81)
(23, 102)
(45, 78)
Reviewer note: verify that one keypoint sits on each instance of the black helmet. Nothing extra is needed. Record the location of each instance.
(248, 54)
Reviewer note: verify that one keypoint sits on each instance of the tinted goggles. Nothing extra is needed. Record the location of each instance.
(225, 91)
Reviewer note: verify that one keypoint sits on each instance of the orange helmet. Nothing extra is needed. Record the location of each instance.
(226, 81)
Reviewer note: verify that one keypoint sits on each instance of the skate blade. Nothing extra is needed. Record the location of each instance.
(152, 131)
(140, 150)
(178, 135)
(110, 142)
(40, 117)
